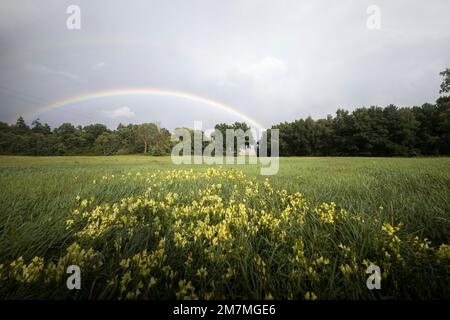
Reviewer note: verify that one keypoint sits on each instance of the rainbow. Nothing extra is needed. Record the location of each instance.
(146, 92)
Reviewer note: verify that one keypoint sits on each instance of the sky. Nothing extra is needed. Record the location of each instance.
(271, 61)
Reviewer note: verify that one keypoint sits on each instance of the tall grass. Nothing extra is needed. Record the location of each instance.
(371, 195)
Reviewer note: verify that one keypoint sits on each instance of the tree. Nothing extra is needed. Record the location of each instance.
(249, 139)
(345, 129)
(70, 139)
(21, 126)
(38, 127)
(237, 145)
(147, 134)
(128, 138)
(107, 143)
(91, 132)
(445, 85)
(442, 125)
(162, 143)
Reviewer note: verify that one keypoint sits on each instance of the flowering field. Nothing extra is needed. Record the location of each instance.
(140, 228)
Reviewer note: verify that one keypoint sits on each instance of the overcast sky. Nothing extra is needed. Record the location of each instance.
(271, 60)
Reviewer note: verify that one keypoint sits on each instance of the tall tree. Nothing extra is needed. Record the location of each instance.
(147, 134)
(236, 145)
(92, 131)
(38, 127)
(445, 85)
(21, 126)
(107, 143)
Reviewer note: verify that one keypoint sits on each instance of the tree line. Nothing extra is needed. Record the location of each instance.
(96, 139)
(40, 140)
(373, 131)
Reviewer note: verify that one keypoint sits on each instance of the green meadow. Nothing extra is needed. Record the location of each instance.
(143, 228)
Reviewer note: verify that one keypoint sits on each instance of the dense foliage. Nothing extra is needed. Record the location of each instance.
(373, 131)
(67, 139)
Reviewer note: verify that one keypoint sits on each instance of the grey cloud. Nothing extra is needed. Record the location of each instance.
(273, 60)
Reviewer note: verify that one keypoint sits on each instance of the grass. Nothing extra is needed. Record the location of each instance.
(302, 253)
